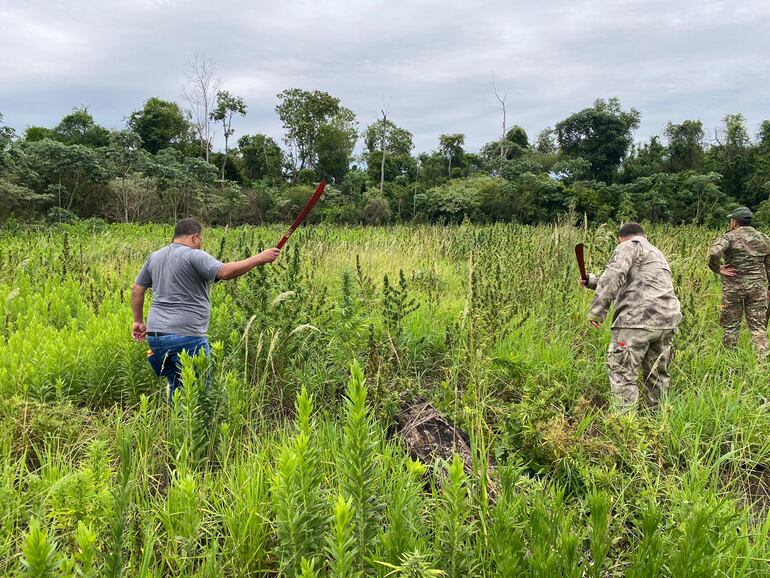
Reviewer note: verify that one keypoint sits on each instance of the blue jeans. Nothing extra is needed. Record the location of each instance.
(165, 356)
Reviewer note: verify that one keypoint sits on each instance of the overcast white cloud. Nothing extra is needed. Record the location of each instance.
(431, 62)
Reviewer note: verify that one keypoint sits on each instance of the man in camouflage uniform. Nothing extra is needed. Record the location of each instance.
(638, 281)
(742, 258)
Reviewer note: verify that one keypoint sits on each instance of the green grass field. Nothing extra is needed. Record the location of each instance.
(286, 464)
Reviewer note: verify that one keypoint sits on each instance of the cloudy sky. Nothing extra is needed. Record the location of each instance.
(430, 62)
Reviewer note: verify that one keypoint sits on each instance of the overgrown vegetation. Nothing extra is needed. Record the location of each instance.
(162, 166)
(286, 464)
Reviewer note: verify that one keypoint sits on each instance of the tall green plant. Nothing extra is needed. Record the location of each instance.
(359, 472)
(40, 558)
(296, 491)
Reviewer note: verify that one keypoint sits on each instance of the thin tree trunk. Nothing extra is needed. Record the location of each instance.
(501, 100)
(384, 141)
(224, 162)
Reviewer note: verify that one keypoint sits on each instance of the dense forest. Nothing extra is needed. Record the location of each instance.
(162, 166)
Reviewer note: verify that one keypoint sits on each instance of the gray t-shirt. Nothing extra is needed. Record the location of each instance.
(180, 277)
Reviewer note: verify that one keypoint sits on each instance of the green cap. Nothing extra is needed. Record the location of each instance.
(741, 214)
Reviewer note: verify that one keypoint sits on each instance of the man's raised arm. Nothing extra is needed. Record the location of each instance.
(238, 268)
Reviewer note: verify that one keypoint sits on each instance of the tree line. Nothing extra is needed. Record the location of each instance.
(162, 166)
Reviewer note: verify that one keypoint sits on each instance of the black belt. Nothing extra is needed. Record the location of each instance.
(158, 334)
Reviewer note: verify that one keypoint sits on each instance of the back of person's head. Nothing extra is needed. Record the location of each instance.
(630, 230)
(742, 216)
(186, 228)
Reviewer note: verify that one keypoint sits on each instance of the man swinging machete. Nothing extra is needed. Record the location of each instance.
(638, 281)
(180, 275)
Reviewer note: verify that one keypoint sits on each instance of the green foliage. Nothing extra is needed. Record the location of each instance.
(227, 106)
(115, 562)
(341, 543)
(262, 157)
(454, 527)
(453, 201)
(160, 124)
(685, 145)
(79, 127)
(267, 465)
(451, 146)
(39, 556)
(376, 211)
(197, 409)
(152, 170)
(315, 125)
(398, 147)
(397, 303)
(359, 470)
(600, 134)
(300, 506)
(599, 504)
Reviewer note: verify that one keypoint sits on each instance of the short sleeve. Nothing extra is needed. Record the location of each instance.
(205, 265)
(144, 278)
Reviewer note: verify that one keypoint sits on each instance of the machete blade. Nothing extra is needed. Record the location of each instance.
(579, 249)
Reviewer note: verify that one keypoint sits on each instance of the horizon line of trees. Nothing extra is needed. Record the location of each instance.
(162, 166)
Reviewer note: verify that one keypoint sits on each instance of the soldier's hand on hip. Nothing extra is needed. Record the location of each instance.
(595, 325)
(727, 271)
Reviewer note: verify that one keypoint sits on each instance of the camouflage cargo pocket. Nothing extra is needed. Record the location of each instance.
(618, 356)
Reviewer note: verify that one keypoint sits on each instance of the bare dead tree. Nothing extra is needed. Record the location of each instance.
(201, 96)
(383, 147)
(501, 100)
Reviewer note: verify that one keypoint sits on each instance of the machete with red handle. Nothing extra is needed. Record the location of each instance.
(303, 213)
(581, 261)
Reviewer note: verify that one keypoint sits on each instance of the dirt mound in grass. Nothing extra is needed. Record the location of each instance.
(430, 437)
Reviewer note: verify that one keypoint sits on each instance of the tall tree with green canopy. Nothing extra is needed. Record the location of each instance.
(36, 133)
(645, 160)
(124, 156)
(759, 184)
(685, 145)
(7, 136)
(71, 173)
(303, 113)
(732, 155)
(396, 144)
(78, 127)
(334, 147)
(601, 134)
(514, 145)
(17, 198)
(262, 157)
(227, 107)
(451, 146)
(160, 124)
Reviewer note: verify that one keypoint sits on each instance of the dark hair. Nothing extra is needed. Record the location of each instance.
(630, 230)
(745, 222)
(187, 227)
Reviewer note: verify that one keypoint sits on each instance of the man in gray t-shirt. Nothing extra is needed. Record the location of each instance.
(180, 276)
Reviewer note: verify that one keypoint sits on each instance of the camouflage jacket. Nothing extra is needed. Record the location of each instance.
(748, 252)
(638, 280)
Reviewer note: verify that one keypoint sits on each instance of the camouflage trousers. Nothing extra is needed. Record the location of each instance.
(751, 302)
(631, 350)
